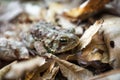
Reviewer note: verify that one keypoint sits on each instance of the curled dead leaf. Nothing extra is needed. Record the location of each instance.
(72, 71)
(46, 72)
(10, 11)
(89, 33)
(96, 50)
(51, 72)
(85, 10)
(18, 69)
(5, 70)
(111, 33)
(111, 75)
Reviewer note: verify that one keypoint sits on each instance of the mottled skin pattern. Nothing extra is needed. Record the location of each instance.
(55, 40)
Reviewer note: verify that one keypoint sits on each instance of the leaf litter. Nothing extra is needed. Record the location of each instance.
(26, 57)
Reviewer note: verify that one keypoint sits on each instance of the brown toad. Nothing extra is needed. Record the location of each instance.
(53, 39)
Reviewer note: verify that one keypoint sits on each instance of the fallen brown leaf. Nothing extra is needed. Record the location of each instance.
(51, 72)
(111, 75)
(5, 70)
(10, 11)
(115, 5)
(111, 33)
(18, 69)
(72, 71)
(89, 33)
(46, 72)
(96, 50)
(85, 10)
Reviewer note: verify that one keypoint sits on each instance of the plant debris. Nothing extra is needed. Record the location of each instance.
(59, 40)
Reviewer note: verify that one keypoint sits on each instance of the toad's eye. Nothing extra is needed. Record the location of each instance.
(64, 40)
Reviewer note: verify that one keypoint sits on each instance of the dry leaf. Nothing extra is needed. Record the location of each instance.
(66, 24)
(22, 18)
(51, 72)
(29, 75)
(111, 75)
(67, 3)
(11, 49)
(8, 30)
(96, 50)
(5, 70)
(18, 69)
(115, 5)
(57, 8)
(10, 11)
(46, 72)
(85, 10)
(96, 66)
(33, 10)
(89, 33)
(72, 71)
(54, 8)
(94, 53)
(111, 33)
(95, 56)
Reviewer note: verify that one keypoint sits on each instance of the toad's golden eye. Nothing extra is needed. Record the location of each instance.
(64, 40)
